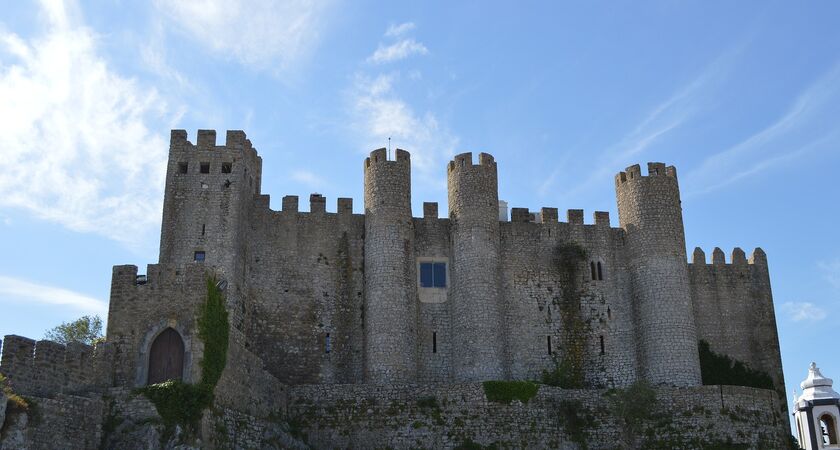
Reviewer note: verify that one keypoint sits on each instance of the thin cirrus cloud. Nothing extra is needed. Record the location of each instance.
(23, 291)
(670, 114)
(262, 33)
(380, 113)
(397, 51)
(803, 311)
(77, 133)
(399, 30)
(831, 272)
(814, 112)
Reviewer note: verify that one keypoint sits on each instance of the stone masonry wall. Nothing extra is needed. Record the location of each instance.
(61, 422)
(390, 288)
(650, 211)
(445, 416)
(305, 280)
(168, 298)
(479, 336)
(733, 309)
(532, 291)
(46, 368)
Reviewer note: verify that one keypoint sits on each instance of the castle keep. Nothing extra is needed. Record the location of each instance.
(400, 306)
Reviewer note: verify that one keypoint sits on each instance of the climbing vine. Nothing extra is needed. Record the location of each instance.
(507, 391)
(180, 403)
(569, 371)
(721, 369)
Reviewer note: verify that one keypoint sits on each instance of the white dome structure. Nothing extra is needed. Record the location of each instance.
(817, 412)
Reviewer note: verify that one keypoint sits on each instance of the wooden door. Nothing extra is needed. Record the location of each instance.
(166, 357)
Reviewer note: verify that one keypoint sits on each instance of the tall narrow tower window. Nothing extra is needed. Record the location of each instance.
(601, 338)
(548, 341)
(434, 341)
(600, 272)
(327, 343)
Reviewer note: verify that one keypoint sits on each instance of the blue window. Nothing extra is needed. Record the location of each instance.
(199, 256)
(433, 275)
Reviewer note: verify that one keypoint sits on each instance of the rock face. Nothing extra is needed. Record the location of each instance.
(13, 436)
(3, 401)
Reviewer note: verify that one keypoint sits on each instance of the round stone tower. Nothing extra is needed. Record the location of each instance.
(476, 304)
(390, 320)
(649, 210)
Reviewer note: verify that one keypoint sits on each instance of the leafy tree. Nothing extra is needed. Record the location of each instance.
(85, 330)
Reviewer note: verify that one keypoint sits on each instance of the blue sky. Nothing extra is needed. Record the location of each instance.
(743, 97)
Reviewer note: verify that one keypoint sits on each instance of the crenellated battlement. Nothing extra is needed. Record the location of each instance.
(465, 160)
(550, 216)
(654, 169)
(737, 257)
(156, 276)
(206, 140)
(380, 156)
(45, 368)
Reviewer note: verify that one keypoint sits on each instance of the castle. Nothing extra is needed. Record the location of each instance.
(386, 305)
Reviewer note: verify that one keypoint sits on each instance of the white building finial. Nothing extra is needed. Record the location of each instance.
(816, 386)
(817, 412)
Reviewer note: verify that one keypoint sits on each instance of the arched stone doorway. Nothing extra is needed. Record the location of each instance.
(166, 357)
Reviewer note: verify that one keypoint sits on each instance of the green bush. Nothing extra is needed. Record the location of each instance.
(427, 402)
(720, 369)
(507, 391)
(179, 403)
(563, 375)
(15, 402)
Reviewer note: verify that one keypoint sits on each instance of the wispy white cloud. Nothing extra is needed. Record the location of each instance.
(802, 311)
(309, 179)
(23, 291)
(787, 138)
(662, 119)
(268, 34)
(397, 51)
(379, 113)
(77, 133)
(831, 271)
(399, 30)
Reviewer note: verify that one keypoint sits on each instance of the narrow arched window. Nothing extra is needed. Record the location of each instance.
(592, 270)
(600, 272)
(166, 357)
(829, 429)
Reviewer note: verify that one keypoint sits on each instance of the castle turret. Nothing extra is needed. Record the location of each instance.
(650, 212)
(208, 199)
(209, 190)
(390, 291)
(476, 303)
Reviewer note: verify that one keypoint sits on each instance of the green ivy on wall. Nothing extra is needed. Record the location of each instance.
(720, 369)
(569, 371)
(180, 403)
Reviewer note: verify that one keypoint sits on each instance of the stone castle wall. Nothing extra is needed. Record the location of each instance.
(46, 368)
(733, 308)
(448, 415)
(324, 297)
